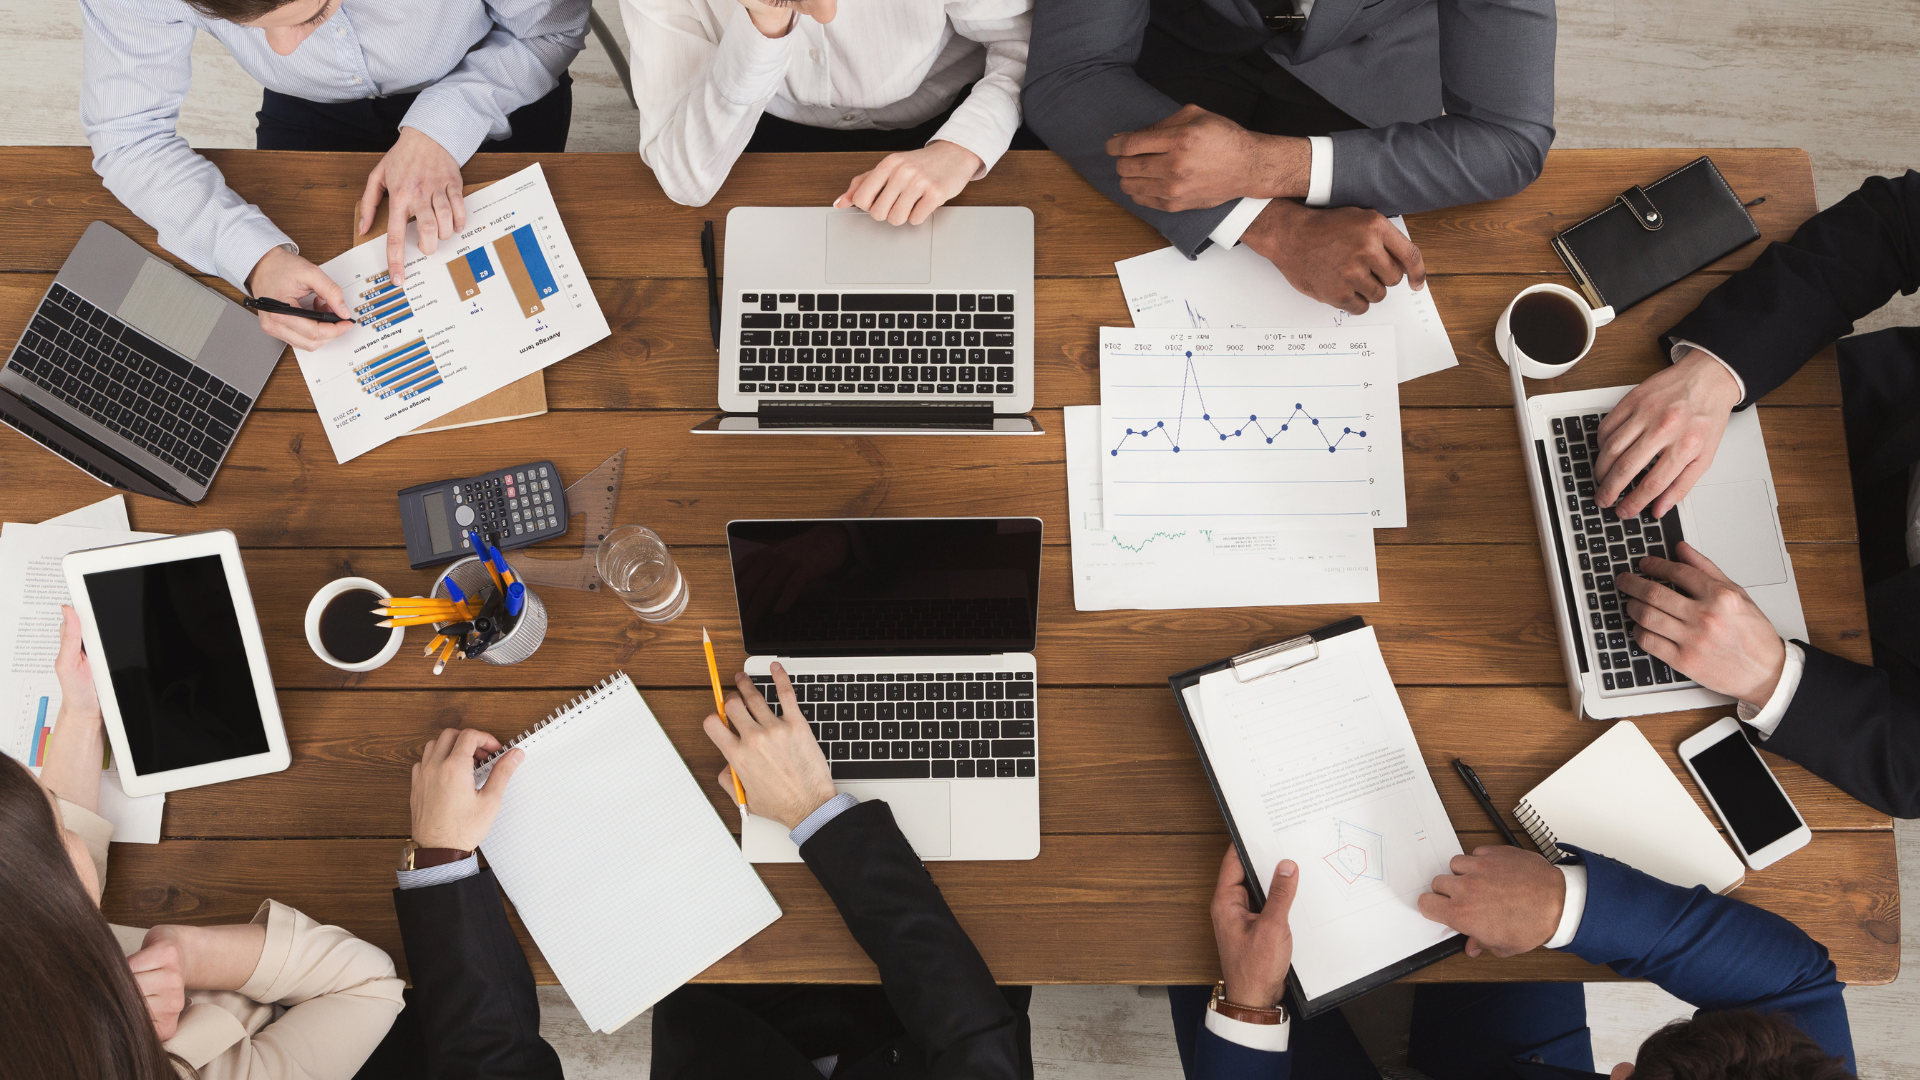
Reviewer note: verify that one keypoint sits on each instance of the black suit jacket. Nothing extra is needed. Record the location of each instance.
(1857, 726)
(479, 1017)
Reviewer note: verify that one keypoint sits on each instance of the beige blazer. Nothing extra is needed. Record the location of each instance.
(315, 1007)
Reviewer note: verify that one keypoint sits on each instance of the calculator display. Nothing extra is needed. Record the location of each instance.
(437, 531)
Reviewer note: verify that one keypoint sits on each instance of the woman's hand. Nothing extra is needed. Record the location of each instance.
(71, 768)
(75, 673)
(775, 18)
(907, 188)
(159, 970)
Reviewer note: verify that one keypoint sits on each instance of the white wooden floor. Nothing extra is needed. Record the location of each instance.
(1834, 77)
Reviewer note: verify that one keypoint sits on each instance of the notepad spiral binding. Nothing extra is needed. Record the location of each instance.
(1538, 829)
(612, 682)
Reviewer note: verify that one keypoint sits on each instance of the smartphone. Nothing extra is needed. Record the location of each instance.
(1743, 792)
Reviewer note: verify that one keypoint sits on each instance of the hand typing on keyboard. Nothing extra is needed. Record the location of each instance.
(1712, 629)
(282, 275)
(780, 765)
(1670, 426)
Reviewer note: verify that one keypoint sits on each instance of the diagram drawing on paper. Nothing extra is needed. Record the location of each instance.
(1360, 855)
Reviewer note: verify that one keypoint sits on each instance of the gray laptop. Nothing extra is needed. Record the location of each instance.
(134, 372)
(833, 322)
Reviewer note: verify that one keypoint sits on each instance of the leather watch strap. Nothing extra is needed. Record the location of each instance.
(415, 857)
(1246, 1014)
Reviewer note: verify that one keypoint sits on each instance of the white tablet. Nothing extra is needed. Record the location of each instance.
(178, 661)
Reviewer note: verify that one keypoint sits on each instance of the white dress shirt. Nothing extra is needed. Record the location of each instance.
(472, 62)
(704, 74)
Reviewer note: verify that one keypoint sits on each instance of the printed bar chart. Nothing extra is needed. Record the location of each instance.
(402, 372)
(382, 304)
(526, 268)
(469, 271)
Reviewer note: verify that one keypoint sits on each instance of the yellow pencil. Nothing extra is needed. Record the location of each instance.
(720, 706)
(434, 645)
(446, 653)
(415, 601)
(414, 620)
(417, 612)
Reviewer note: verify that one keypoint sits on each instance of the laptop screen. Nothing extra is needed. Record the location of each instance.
(887, 586)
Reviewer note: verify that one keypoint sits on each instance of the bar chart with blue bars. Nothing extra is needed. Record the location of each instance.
(400, 373)
(469, 271)
(382, 304)
(525, 266)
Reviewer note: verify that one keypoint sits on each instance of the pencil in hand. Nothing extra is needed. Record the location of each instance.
(720, 707)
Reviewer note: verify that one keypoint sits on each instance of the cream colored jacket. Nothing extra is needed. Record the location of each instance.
(315, 1007)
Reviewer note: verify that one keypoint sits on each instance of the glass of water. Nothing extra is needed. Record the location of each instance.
(635, 564)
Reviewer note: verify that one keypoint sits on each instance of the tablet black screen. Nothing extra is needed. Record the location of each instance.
(178, 665)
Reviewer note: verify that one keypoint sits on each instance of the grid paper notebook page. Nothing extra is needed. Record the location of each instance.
(624, 875)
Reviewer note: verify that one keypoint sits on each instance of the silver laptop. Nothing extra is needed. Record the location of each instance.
(1731, 515)
(833, 322)
(909, 642)
(134, 372)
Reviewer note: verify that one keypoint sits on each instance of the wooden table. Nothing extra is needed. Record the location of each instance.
(1132, 838)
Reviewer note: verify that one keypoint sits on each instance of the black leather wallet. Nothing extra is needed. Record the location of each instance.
(1651, 237)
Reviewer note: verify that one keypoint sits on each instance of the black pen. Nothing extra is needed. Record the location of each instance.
(713, 280)
(1479, 792)
(276, 307)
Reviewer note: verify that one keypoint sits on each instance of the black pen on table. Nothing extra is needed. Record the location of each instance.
(1479, 792)
(713, 280)
(275, 307)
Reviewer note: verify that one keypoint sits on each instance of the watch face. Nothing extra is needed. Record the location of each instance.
(406, 855)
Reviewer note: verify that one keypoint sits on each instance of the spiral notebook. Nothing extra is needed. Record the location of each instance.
(616, 861)
(1618, 798)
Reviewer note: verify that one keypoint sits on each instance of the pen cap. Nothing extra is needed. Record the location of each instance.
(523, 634)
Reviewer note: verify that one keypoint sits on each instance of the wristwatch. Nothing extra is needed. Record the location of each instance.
(415, 857)
(1246, 1014)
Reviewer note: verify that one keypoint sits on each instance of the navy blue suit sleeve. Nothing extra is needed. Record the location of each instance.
(1797, 298)
(1713, 952)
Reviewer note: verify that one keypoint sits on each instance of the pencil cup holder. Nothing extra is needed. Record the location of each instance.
(528, 631)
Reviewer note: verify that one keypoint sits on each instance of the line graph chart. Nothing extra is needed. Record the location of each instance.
(1247, 427)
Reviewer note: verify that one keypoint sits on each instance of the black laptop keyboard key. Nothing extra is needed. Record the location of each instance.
(886, 769)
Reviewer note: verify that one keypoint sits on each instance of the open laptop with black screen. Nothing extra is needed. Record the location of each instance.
(909, 641)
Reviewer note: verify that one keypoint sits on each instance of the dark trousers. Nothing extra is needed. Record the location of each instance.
(1461, 1031)
(1251, 90)
(372, 125)
(775, 135)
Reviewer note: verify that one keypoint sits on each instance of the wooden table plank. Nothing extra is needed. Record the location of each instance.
(1031, 920)
(282, 487)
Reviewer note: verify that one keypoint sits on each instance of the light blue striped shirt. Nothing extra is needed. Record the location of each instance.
(473, 62)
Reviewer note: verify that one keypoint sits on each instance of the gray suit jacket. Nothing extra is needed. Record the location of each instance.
(1459, 92)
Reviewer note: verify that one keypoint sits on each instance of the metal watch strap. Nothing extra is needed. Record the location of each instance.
(1246, 1014)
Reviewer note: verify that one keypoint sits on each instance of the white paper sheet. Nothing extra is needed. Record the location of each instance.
(503, 300)
(1250, 429)
(108, 513)
(1236, 286)
(32, 588)
(1319, 765)
(1199, 567)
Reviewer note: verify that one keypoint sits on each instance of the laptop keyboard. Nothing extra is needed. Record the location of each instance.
(877, 344)
(919, 725)
(133, 386)
(1602, 546)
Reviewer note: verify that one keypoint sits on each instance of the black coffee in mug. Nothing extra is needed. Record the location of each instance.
(1549, 327)
(349, 629)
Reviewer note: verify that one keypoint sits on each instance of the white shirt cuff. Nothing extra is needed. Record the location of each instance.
(439, 875)
(1680, 346)
(1319, 170)
(822, 814)
(1269, 1037)
(1574, 908)
(1765, 718)
(1227, 233)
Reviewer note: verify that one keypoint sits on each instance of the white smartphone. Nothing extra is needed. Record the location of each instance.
(1744, 793)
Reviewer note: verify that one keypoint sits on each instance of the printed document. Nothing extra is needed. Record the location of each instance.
(1250, 429)
(494, 304)
(1200, 567)
(1227, 287)
(1318, 764)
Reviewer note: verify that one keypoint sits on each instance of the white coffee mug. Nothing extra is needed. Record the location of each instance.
(319, 604)
(1534, 369)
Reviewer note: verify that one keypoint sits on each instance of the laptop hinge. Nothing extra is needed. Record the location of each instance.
(919, 416)
(125, 473)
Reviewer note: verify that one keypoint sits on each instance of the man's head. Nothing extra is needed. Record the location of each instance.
(286, 22)
(1736, 1045)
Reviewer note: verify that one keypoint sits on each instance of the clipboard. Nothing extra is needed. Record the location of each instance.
(1249, 667)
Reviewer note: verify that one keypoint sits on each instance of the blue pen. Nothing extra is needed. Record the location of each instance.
(456, 594)
(516, 598)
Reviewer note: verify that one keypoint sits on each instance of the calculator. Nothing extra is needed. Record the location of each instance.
(511, 508)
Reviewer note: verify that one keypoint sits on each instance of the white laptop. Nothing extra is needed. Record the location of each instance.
(833, 322)
(1731, 515)
(909, 642)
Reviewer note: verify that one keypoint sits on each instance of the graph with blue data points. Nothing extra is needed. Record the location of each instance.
(1289, 428)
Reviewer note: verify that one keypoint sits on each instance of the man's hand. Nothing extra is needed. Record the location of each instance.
(906, 188)
(422, 181)
(1677, 415)
(1344, 256)
(1507, 901)
(1715, 633)
(785, 775)
(1255, 949)
(282, 275)
(447, 811)
(159, 972)
(1195, 159)
(775, 20)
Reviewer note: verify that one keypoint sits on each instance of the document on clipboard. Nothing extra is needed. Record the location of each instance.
(1312, 759)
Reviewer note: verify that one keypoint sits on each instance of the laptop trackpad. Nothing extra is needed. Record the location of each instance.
(1733, 524)
(863, 251)
(919, 806)
(171, 307)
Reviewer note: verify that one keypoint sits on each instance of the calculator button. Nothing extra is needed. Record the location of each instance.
(463, 516)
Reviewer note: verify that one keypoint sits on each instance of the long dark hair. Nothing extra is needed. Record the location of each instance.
(68, 1001)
